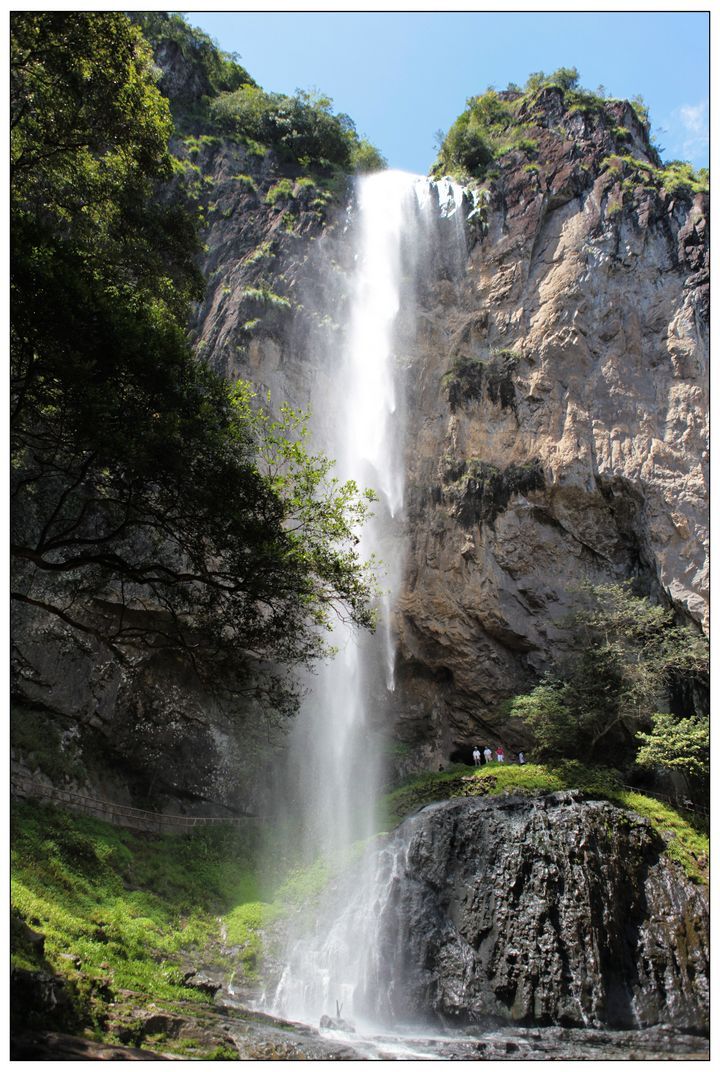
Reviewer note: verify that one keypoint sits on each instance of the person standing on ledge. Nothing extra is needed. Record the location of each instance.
(488, 753)
(500, 754)
(476, 756)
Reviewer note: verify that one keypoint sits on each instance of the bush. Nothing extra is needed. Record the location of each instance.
(628, 654)
(300, 128)
(281, 191)
(365, 157)
(680, 744)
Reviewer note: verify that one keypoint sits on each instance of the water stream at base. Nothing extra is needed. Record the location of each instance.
(403, 228)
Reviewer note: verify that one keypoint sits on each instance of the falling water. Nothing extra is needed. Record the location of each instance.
(337, 742)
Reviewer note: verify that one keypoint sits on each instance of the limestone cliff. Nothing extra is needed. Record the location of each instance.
(556, 395)
(555, 413)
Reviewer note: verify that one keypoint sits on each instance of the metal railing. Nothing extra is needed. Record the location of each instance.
(116, 814)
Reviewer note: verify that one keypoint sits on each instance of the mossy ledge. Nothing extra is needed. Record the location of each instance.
(685, 843)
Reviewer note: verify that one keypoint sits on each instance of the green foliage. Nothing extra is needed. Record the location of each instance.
(216, 71)
(629, 654)
(246, 181)
(282, 190)
(491, 125)
(547, 714)
(685, 844)
(681, 744)
(494, 124)
(245, 926)
(677, 178)
(134, 466)
(267, 297)
(364, 157)
(263, 252)
(133, 908)
(565, 78)
(681, 180)
(302, 128)
(477, 137)
(640, 108)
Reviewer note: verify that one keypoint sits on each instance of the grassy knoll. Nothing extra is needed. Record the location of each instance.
(685, 843)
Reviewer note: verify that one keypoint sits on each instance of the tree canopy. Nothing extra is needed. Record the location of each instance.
(629, 655)
(154, 505)
(677, 745)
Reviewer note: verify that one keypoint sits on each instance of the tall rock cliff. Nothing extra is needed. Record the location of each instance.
(555, 413)
(555, 394)
(558, 403)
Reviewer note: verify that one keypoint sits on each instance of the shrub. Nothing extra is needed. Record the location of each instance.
(281, 191)
(247, 181)
(364, 157)
(302, 128)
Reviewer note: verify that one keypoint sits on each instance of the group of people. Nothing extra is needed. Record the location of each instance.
(486, 755)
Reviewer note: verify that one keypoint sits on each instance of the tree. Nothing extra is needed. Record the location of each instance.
(154, 506)
(546, 713)
(677, 745)
(628, 653)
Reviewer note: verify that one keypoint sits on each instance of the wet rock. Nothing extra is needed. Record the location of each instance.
(336, 1023)
(53, 1046)
(553, 910)
(200, 980)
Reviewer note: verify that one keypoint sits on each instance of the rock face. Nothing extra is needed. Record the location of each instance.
(551, 910)
(558, 423)
(555, 419)
(555, 400)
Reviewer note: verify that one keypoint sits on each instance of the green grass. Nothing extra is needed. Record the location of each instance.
(246, 181)
(266, 297)
(132, 906)
(685, 844)
(676, 177)
(281, 191)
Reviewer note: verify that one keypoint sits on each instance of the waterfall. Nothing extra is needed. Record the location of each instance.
(398, 222)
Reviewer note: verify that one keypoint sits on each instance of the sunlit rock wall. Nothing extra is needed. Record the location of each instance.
(558, 429)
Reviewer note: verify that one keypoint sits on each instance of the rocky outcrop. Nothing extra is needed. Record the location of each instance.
(553, 910)
(558, 421)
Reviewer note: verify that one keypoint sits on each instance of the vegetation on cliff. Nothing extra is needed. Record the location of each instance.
(495, 124)
(686, 842)
(217, 96)
(154, 505)
(631, 658)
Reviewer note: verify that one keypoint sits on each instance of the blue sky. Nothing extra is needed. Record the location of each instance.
(403, 76)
